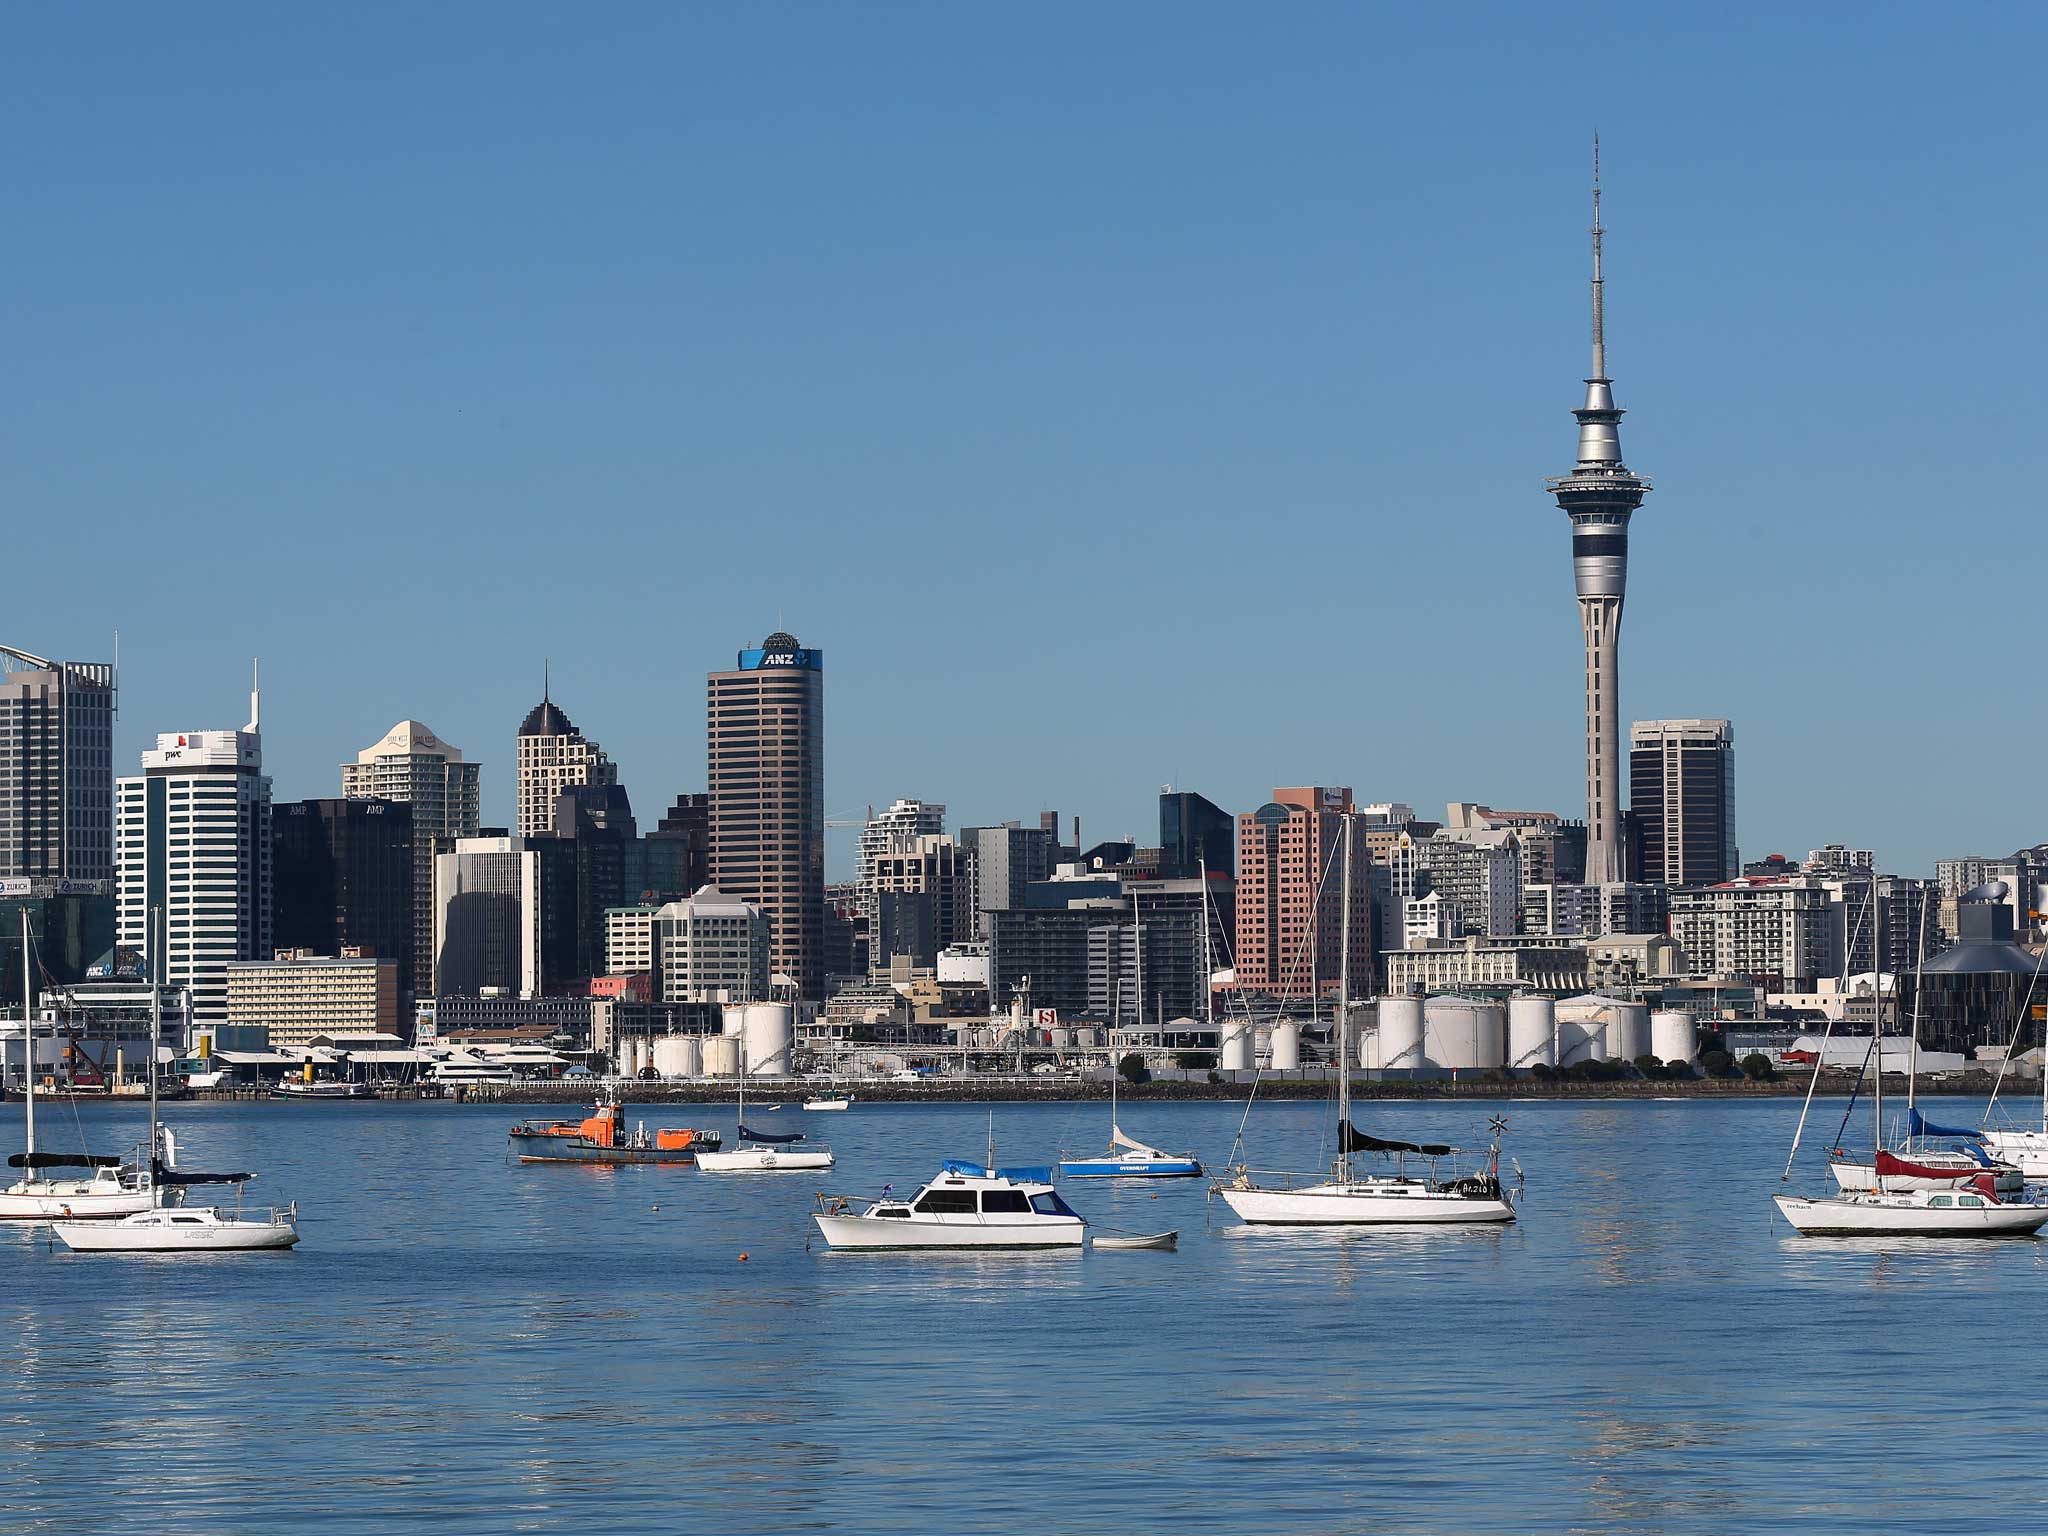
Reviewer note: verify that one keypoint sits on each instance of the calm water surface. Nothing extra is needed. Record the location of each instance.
(489, 1348)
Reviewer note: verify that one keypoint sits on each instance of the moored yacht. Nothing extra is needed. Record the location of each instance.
(107, 1188)
(183, 1229)
(968, 1205)
(1972, 1210)
(765, 1151)
(1381, 1199)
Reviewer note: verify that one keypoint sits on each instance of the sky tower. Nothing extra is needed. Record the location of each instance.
(1599, 496)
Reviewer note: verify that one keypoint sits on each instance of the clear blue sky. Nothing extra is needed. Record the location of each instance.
(1119, 395)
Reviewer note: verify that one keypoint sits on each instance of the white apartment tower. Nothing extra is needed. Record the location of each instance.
(192, 836)
(414, 766)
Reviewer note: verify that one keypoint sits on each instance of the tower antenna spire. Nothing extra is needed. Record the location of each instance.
(545, 665)
(1599, 283)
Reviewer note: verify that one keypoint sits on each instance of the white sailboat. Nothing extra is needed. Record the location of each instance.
(1931, 1157)
(1346, 1199)
(1967, 1208)
(763, 1152)
(169, 1228)
(2025, 1149)
(1127, 1157)
(106, 1189)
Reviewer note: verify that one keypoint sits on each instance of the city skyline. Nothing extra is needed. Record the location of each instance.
(1078, 412)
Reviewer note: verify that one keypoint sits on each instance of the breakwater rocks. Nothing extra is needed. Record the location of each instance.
(983, 1090)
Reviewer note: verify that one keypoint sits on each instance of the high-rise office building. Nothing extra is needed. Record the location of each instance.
(712, 947)
(342, 877)
(416, 768)
(193, 838)
(1194, 833)
(1291, 896)
(999, 862)
(56, 768)
(1682, 791)
(765, 740)
(487, 918)
(554, 756)
(1600, 495)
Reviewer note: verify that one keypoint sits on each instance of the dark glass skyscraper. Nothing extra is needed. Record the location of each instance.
(1682, 797)
(1194, 831)
(342, 873)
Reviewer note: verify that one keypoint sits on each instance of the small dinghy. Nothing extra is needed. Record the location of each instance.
(1168, 1240)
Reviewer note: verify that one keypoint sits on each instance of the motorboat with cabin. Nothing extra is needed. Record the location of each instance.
(969, 1205)
(602, 1137)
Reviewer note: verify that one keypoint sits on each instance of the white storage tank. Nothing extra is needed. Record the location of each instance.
(642, 1057)
(1400, 1038)
(721, 1055)
(1672, 1035)
(1585, 1029)
(1532, 1032)
(1463, 1035)
(1629, 1034)
(1237, 1049)
(1369, 1048)
(1060, 1039)
(678, 1056)
(734, 1019)
(770, 1029)
(1283, 1048)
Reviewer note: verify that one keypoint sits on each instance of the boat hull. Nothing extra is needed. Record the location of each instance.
(764, 1160)
(1879, 1217)
(1126, 1168)
(571, 1149)
(827, 1106)
(877, 1233)
(1327, 1205)
(51, 1201)
(223, 1237)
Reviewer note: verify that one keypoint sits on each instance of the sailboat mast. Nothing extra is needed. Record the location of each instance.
(28, 1047)
(1208, 960)
(1116, 999)
(1877, 1039)
(1344, 1016)
(156, 1030)
(1913, 1051)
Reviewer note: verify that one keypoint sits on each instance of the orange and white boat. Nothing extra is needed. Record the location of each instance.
(602, 1137)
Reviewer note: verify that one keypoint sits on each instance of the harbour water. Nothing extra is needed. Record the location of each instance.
(484, 1347)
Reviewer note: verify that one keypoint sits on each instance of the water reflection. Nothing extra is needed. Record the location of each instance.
(491, 1348)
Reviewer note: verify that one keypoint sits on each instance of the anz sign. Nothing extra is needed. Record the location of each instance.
(804, 660)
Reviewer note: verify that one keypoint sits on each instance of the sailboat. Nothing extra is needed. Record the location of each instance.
(107, 1189)
(1127, 1157)
(1932, 1156)
(1397, 1198)
(176, 1228)
(2028, 1150)
(1968, 1207)
(764, 1151)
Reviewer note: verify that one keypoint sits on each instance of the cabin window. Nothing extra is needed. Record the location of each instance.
(901, 1212)
(947, 1202)
(1004, 1201)
(1971, 1200)
(1942, 1200)
(1050, 1204)
(188, 1220)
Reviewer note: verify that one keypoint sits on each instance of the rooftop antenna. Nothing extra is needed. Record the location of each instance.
(545, 664)
(255, 695)
(1599, 284)
(117, 674)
